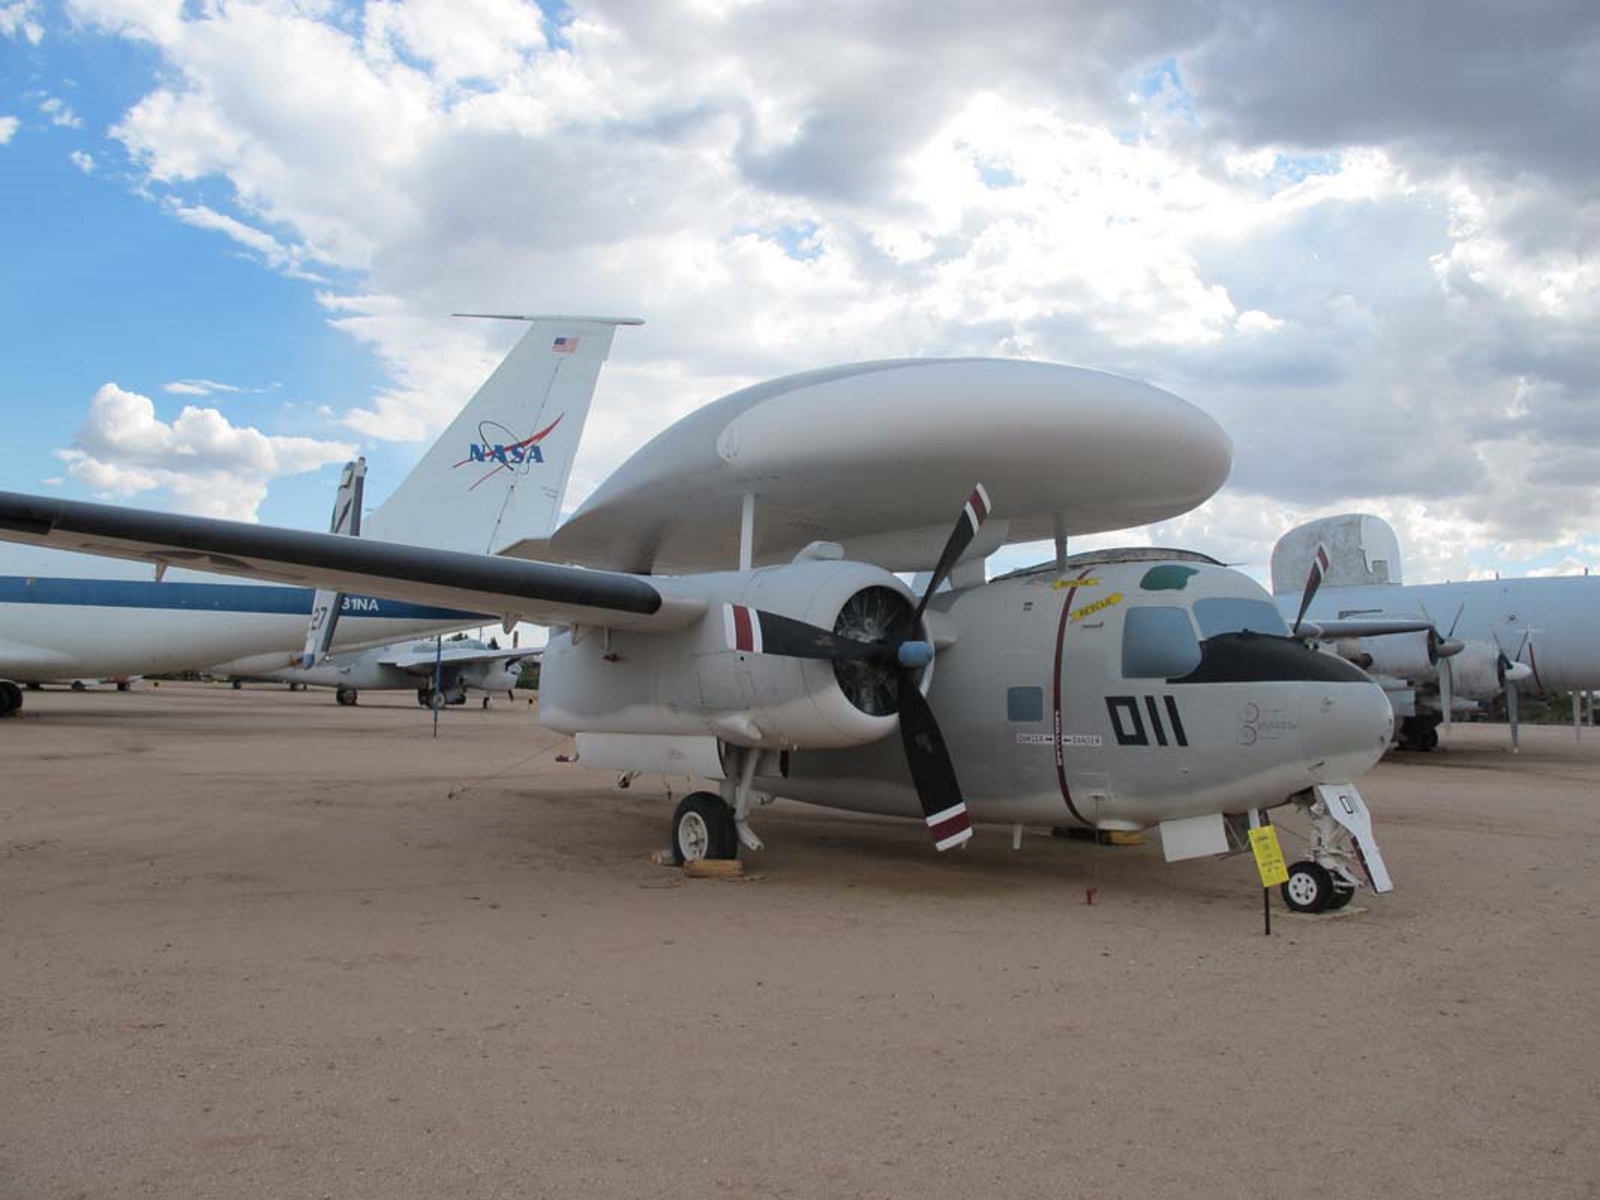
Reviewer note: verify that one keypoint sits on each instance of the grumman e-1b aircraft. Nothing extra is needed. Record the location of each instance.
(725, 607)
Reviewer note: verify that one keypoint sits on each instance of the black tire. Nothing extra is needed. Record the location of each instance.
(703, 827)
(425, 697)
(123, 685)
(10, 698)
(345, 696)
(1309, 890)
(79, 685)
(1343, 893)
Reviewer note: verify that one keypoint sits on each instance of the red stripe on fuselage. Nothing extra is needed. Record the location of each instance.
(1061, 751)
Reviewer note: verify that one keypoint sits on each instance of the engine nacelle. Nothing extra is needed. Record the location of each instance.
(691, 683)
(1476, 673)
(1402, 655)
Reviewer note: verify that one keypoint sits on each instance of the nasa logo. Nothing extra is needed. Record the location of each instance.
(497, 445)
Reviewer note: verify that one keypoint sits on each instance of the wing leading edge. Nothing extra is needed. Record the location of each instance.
(542, 593)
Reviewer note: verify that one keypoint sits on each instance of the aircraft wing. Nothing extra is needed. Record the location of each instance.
(542, 593)
(1363, 628)
(420, 662)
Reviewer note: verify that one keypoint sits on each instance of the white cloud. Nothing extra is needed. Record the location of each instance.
(21, 19)
(1340, 252)
(83, 161)
(8, 129)
(60, 113)
(206, 464)
(198, 387)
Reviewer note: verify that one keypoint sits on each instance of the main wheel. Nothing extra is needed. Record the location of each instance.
(703, 827)
(10, 698)
(1309, 889)
(1343, 893)
(425, 697)
(345, 695)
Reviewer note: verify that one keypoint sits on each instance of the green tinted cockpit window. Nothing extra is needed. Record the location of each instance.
(1236, 614)
(1158, 643)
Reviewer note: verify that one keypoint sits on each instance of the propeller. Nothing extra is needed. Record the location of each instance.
(1512, 672)
(880, 670)
(436, 701)
(1319, 568)
(1441, 650)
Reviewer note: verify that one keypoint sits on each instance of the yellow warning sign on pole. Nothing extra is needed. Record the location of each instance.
(1269, 856)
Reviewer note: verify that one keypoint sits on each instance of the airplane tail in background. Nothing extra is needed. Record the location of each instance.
(497, 475)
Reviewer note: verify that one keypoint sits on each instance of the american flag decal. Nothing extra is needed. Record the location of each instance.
(950, 827)
(743, 626)
(564, 345)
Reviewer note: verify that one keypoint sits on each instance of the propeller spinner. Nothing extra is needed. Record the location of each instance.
(892, 662)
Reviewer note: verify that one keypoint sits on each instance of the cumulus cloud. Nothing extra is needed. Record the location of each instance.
(8, 129)
(202, 461)
(83, 161)
(1361, 235)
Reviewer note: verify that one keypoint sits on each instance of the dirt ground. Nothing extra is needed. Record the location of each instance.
(255, 944)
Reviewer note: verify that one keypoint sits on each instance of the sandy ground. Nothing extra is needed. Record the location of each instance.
(258, 945)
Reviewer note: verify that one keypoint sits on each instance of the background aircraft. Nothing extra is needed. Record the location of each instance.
(1487, 638)
(440, 672)
(1114, 691)
(495, 477)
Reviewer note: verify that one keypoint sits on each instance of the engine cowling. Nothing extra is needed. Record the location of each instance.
(694, 683)
(1477, 673)
(1402, 655)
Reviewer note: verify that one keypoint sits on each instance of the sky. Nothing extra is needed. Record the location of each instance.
(1365, 237)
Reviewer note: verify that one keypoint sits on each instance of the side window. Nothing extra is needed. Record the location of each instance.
(1024, 704)
(1158, 643)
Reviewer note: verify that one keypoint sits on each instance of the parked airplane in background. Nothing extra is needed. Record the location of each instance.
(1114, 691)
(1487, 638)
(495, 477)
(440, 672)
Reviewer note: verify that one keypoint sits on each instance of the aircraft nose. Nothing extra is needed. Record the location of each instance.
(1347, 728)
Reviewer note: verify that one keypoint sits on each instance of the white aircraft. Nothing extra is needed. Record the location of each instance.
(709, 631)
(1468, 643)
(496, 476)
(439, 671)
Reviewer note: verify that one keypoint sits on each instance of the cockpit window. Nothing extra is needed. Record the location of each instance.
(1238, 614)
(1158, 643)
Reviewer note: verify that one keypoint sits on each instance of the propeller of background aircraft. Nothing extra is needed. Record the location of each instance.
(889, 666)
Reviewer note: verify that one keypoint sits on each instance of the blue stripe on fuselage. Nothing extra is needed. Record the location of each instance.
(205, 597)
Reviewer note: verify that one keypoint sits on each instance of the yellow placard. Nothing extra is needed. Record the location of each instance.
(1269, 856)
(1060, 584)
(1088, 610)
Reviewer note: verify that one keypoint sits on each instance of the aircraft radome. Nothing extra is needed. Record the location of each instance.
(744, 644)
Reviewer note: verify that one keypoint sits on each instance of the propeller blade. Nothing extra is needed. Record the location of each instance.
(1446, 688)
(436, 701)
(931, 770)
(757, 632)
(1319, 567)
(973, 515)
(1511, 715)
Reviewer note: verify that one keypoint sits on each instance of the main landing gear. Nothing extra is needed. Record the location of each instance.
(1419, 733)
(707, 825)
(346, 696)
(10, 698)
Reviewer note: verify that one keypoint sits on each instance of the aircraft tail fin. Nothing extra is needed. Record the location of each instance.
(327, 603)
(497, 475)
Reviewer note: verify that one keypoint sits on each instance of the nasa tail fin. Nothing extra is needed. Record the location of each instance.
(497, 475)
